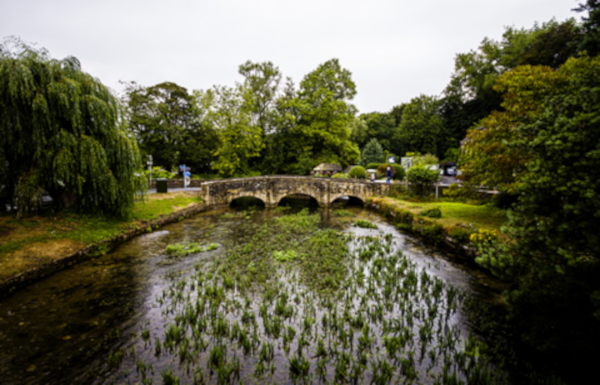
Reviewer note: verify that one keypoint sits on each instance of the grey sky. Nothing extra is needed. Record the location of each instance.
(395, 49)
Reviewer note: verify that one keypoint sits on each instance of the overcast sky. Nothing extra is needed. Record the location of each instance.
(395, 49)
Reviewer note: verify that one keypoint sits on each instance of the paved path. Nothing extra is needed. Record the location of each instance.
(176, 189)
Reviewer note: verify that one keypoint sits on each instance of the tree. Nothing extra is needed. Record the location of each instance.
(421, 126)
(262, 80)
(240, 140)
(169, 126)
(554, 256)
(591, 27)
(61, 135)
(487, 159)
(372, 153)
(470, 96)
(313, 125)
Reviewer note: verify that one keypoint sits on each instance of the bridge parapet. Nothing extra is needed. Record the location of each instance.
(272, 188)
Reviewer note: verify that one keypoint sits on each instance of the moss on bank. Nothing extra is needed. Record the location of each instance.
(455, 226)
(30, 243)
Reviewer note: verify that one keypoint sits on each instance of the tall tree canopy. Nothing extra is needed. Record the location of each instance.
(61, 135)
(171, 126)
(554, 255)
(421, 126)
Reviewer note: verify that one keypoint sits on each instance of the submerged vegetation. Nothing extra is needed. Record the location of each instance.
(291, 301)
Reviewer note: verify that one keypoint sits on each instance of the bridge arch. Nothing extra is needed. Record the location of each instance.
(352, 198)
(294, 195)
(242, 202)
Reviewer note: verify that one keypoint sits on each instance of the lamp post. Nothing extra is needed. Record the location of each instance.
(150, 170)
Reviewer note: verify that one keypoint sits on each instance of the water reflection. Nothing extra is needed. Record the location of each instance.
(61, 329)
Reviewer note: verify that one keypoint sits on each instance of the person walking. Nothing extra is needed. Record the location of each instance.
(389, 175)
(372, 177)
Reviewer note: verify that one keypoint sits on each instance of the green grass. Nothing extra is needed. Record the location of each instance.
(456, 213)
(20, 245)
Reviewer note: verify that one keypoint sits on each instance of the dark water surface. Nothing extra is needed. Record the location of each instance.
(62, 329)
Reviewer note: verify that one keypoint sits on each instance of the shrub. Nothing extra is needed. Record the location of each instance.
(400, 173)
(372, 152)
(340, 175)
(373, 165)
(159, 172)
(460, 234)
(358, 172)
(422, 179)
(382, 169)
(431, 213)
(433, 232)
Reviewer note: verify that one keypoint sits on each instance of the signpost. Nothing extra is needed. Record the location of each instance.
(186, 174)
(149, 162)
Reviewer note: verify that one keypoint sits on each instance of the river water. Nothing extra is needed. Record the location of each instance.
(65, 328)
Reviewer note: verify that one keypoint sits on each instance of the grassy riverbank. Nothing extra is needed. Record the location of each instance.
(457, 219)
(31, 242)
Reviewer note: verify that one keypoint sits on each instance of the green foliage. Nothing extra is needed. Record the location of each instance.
(375, 125)
(285, 256)
(400, 173)
(365, 224)
(555, 254)
(312, 125)
(382, 170)
(358, 172)
(460, 234)
(431, 213)
(341, 175)
(170, 126)
(421, 125)
(342, 213)
(371, 166)
(240, 138)
(422, 179)
(372, 152)
(61, 135)
(184, 248)
(159, 172)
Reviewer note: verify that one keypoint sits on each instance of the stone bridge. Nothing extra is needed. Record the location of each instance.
(271, 189)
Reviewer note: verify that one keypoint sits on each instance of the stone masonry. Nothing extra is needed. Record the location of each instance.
(271, 189)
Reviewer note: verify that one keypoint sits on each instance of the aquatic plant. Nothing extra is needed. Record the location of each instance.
(364, 224)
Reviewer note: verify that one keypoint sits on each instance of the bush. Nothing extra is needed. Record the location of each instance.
(460, 234)
(382, 169)
(340, 175)
(433, 232)
(159, 172)
(431, 213)
(373, 165)
(358, 172)
(400, 173)
(422, 179)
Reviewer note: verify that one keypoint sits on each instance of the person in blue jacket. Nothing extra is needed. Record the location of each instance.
(389, 174)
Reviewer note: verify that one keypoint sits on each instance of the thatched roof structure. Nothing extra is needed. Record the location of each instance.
(327, 167)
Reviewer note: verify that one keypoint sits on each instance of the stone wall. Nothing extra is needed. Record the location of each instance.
(271, 189)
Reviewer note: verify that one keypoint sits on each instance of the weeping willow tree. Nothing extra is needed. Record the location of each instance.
(60, 134)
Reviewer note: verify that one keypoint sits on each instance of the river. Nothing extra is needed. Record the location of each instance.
(100, 320)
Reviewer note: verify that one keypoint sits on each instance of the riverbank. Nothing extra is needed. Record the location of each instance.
(455, 226)
(36, 246)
